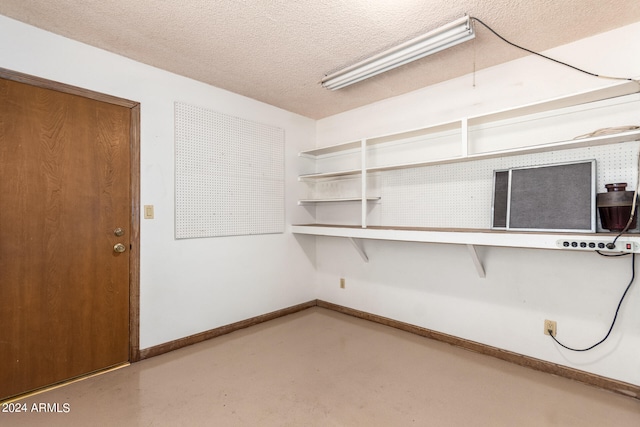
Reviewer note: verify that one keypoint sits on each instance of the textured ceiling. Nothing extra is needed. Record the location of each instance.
(276, 51)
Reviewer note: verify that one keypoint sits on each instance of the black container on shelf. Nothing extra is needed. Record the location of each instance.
(615, 207)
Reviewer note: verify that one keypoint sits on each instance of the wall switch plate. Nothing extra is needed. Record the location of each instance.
(148, 211)
(342, 283)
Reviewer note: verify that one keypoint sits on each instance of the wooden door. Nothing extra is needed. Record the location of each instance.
(64, 189)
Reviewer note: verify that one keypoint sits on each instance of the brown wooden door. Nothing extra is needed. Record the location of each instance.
(64, 189)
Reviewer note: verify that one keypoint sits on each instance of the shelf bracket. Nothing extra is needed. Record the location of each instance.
(358, 245)
(476, 261)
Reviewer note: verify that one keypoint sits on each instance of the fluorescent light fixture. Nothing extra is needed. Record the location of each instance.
(434, 41)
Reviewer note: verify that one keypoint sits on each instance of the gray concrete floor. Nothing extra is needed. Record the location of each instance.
(321, 368)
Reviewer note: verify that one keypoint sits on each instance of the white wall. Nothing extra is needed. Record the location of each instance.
(435, 285)
(187, 286)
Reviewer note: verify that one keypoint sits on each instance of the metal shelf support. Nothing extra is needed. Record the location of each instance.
(477, 262)
(357, 244)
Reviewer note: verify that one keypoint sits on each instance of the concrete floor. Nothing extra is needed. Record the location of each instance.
(322, 368)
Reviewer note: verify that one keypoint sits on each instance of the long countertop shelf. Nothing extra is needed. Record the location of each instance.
(480, 237)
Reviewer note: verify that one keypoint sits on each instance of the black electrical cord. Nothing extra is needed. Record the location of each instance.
(609, 245)
(611, 255)
(547, 57)
(615, 317)
(612, 245)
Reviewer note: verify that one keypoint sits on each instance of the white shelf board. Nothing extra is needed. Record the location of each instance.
(608, 92)
(560, 145)
(331, 149)
(424, 131)
(381, 139)
(612, 91)
(348, 199)
(329, 174)
(537, 240)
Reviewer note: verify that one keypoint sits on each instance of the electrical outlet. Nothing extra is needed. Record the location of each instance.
(550, 325)
(342, 283)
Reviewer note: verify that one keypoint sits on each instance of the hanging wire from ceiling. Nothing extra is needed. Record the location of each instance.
(474, 19)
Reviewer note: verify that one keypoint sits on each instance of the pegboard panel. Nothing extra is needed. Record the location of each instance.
(459, 195)
(229, 175)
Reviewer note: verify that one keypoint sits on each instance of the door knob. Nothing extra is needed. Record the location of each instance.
(119, 248)
(118, 232)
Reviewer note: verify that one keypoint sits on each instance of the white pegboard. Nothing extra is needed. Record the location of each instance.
(229, 175)
(459, 195)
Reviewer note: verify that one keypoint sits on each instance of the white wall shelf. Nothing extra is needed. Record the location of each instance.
(336, 200)
(331, 149)
(335, 174)
(627, 243)
(580, 98)
(494, 135)
(633, 135)
(513, 239)
(562, 145)
(354, 145)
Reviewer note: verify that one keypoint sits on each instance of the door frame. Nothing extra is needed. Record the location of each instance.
(134, 187)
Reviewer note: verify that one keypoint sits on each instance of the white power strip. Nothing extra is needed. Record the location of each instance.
(598, 244)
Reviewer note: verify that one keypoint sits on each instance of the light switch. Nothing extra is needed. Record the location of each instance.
(148, 211)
